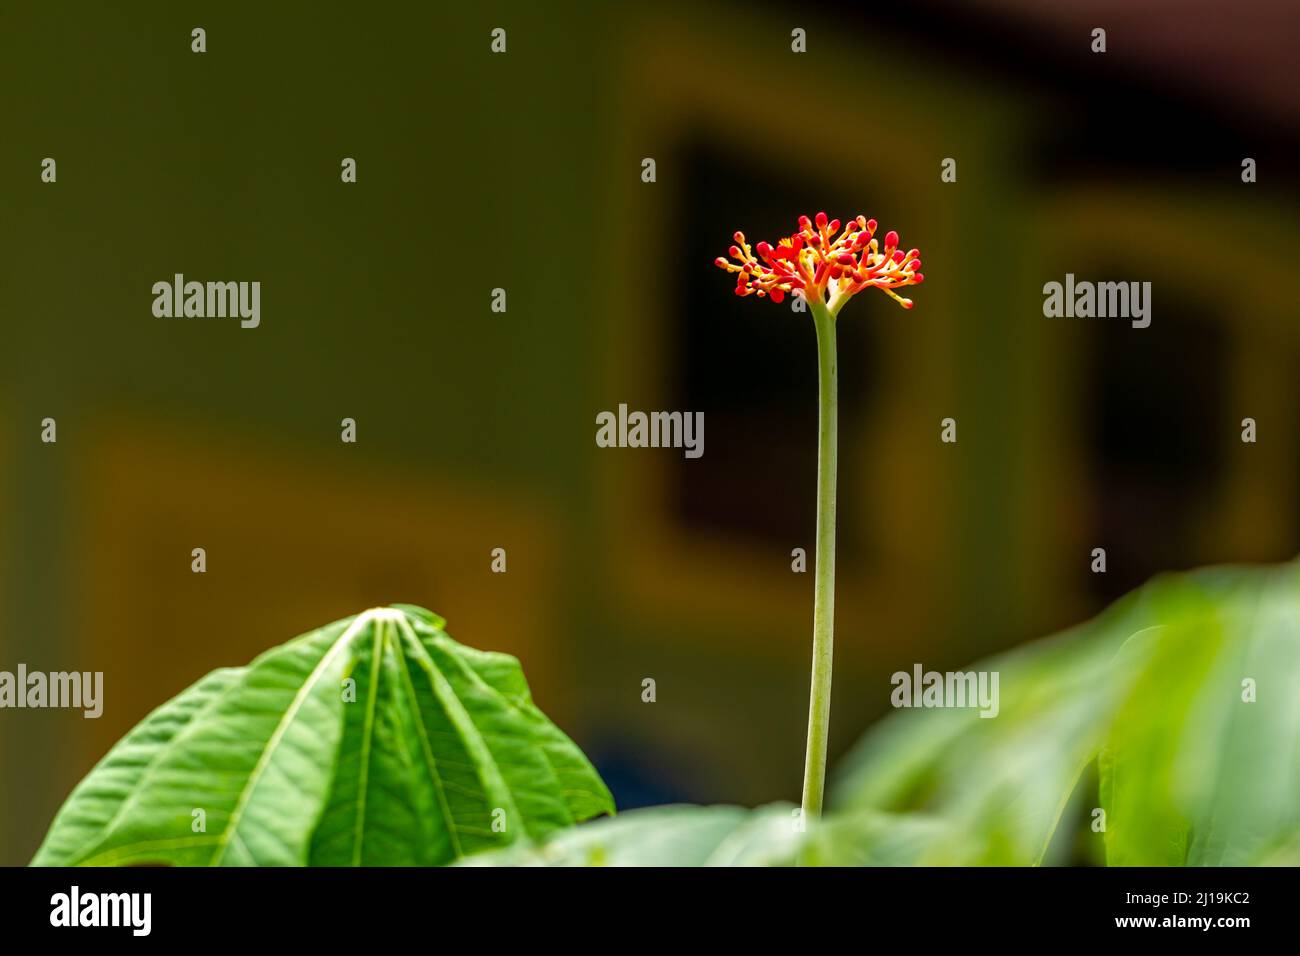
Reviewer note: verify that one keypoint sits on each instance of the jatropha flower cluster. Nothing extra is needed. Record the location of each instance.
(814, 264)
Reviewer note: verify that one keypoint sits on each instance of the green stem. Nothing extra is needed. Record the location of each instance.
(819, 703)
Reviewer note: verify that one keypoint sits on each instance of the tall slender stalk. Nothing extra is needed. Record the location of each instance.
(819, 702)
(814, 264)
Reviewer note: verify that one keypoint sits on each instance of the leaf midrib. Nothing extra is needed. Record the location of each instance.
(426, 750)
(488, 769)
(367, 738)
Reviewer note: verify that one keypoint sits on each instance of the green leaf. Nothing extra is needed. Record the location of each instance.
(101, 796)
(666, 836)
(1002, 782)
(377, 740)
(1193, 771)
(732, 836)
(872, 838)
(1149, 693)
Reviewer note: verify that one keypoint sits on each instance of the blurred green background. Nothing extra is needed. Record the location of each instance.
(476, 429)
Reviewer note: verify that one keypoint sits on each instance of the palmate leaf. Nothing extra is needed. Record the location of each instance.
(377, 740)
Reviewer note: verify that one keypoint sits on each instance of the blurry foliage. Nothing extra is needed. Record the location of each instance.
(1142, 713)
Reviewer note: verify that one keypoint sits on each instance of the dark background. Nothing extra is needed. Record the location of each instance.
(476, 430)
